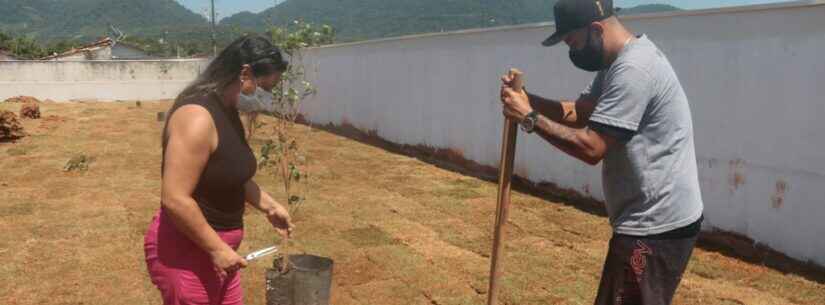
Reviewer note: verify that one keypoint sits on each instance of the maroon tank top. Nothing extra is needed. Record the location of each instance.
(220, 190)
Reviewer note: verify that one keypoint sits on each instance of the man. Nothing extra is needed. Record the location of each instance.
(635, 117)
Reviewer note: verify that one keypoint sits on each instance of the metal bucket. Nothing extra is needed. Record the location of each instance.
(307, 282)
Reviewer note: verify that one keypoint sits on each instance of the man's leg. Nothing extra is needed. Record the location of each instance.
(249, 120)
(643, 271)
(253, 123)
(663, 268)
(617, 286)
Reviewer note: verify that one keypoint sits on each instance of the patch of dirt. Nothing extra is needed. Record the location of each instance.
(52, 121)
(55, 119)
(22, 99)
(30, 111)
(358, 271)
(10, 127)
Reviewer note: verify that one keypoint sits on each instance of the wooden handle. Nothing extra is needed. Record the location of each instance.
(508, 153)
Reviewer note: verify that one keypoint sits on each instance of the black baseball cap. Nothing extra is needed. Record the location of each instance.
(273, 57)
(575, 14)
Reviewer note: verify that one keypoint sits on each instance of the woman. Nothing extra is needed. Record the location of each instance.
(207, 169)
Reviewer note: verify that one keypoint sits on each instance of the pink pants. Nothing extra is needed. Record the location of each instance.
(183, 272)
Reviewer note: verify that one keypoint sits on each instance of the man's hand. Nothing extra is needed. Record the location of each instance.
(516, 103)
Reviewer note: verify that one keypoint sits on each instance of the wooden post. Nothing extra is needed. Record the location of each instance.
(508, 152)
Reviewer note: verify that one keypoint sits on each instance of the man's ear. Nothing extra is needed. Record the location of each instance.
(247, 85)
(598, 27)
(246, 72)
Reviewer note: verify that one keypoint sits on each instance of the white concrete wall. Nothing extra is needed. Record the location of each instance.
(755, 77)
(97, 80)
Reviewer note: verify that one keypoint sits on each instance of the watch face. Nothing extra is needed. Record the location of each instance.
(527, 124)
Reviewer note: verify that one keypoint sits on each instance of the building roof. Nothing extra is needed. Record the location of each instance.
(103, 43)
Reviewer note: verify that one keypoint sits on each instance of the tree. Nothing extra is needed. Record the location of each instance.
(26, 47)
(284, 152)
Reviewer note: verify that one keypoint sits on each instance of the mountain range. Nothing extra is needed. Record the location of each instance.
(86, 20)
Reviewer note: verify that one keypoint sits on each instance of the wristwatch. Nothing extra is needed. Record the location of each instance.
(529, 122)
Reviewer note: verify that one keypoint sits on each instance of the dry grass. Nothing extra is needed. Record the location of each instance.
(401, 231)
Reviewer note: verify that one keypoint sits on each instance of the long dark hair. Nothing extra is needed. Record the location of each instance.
(226, 68)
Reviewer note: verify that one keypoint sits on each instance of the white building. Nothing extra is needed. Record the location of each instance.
(104, 49)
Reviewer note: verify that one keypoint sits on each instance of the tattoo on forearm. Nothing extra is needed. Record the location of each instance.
(560, 111)
(557, 134)
(547, 107)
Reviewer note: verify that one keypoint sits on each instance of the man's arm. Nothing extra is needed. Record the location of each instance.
(582, 143)
(569, 113)
(574, 114)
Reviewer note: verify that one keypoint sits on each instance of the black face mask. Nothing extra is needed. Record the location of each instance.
(591, 56)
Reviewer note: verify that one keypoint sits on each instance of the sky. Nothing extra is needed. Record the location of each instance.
(226, 8)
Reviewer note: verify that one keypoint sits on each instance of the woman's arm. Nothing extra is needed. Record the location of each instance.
(275, 212)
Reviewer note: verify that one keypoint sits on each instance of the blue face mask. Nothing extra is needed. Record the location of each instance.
(591, 56)
(259, 101)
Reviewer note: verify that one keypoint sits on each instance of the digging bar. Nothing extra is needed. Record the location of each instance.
(508, 151)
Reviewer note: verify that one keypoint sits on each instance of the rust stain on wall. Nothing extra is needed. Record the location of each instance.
(736, 174)
(779, 195)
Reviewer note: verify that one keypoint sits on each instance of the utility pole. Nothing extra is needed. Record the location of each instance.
(214, 43)
(481, 14)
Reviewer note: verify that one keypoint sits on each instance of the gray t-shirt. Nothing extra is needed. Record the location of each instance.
(650, 177)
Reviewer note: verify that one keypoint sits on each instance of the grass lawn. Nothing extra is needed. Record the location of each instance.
(401, 231)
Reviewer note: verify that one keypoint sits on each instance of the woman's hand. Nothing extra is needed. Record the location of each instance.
(227, 261)
(278, 216)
